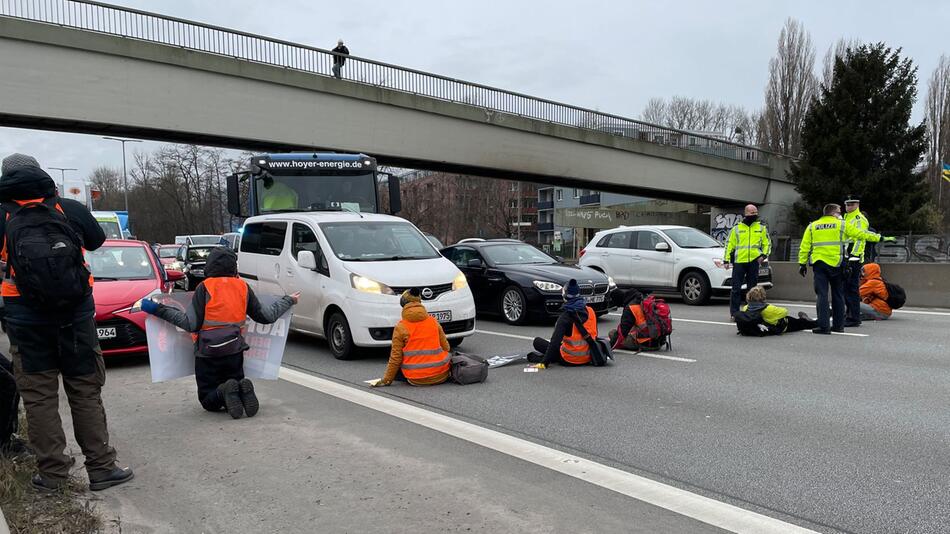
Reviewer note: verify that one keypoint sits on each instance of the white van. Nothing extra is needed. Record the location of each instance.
(350, 269)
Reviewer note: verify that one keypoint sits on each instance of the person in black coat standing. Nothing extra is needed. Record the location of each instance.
(338, 61)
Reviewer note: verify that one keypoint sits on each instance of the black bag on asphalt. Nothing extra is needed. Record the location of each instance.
(224, 341)
(896, 297)
(468, 368)
(750, 324)
(45, 253)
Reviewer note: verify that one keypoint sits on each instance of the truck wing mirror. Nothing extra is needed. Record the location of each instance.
(234, 195)
(395, 201)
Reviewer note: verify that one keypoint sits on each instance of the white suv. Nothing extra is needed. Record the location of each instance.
(350, 269)
(665, 259)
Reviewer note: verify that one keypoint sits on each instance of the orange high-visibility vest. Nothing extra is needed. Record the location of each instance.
(423, 356)
(8, 287)
(639, 321)
(227, 302)
(574, 349)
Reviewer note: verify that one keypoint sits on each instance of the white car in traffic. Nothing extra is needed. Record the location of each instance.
(350, 269)
(664, 258)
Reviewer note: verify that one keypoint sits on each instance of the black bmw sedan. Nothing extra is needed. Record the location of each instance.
(519, 282)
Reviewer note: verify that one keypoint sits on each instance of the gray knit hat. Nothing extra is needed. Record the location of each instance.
(18, 161)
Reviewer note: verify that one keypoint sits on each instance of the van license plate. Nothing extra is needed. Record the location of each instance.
(106, 333)
(442, 316)
(594, 299)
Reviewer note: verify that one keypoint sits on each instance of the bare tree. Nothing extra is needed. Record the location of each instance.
(655, 111)
(791, 86)
(837, 51)
(938, 125)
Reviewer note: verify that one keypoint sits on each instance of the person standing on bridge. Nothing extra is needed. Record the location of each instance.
(50, 318)
(747, 248)
(823, 246)
(339, 60)
(221, 304)
(852, 290)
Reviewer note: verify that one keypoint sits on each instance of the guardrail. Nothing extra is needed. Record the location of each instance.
(145, 26)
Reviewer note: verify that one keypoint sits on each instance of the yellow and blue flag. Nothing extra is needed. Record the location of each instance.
(946, 172)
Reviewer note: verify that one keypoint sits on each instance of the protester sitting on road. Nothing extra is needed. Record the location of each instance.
(874, 306)
(10, 445)
(567, 345)
(420, 352)
(628, 318)
(774, 318)
(221, 304)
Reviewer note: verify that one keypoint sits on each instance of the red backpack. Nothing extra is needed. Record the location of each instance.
(658, 325)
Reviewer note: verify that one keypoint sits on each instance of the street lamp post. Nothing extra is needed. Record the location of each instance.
(62, 174)
(125, 172)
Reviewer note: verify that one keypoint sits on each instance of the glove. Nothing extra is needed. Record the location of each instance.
(149, 306)
(889, 239)
(803, 270)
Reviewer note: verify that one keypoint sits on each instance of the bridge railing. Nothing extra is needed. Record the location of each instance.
(142, 25)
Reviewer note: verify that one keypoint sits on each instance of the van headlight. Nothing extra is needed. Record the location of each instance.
(366, 285)
(610, 281)
(460, 282)
(547, 286)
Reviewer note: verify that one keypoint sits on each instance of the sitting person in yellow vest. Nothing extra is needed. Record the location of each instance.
(420, 353)
(567, 345)
(221, 304)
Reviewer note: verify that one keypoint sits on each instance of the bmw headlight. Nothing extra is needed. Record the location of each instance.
(460, 282)
(610, 281)
(366, 285)
(547, 286)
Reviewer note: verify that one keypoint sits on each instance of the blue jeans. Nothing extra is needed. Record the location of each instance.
(852, 292)
(742, 273)
(868, 313)
(826, 276)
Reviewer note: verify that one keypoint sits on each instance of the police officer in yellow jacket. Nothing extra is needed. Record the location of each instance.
(852, 289)
(749, 242)
(823, 246)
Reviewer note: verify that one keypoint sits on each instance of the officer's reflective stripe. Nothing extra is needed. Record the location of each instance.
(575, 352)
(427, 352)
(439, 363)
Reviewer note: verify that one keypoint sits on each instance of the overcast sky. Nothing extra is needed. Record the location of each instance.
(607, 55)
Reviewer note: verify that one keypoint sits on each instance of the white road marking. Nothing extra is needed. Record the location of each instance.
(716, 513)
(655, 356)
(912, 312)
(733, 324)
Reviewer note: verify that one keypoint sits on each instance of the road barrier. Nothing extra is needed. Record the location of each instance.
(927, 284)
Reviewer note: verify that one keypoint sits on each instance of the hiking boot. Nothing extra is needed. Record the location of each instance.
(46, 485)
(824, 331)
(248, 398)
(118, 475)
(838, 330)
(535, 357)
(230, 393)
(804, 316)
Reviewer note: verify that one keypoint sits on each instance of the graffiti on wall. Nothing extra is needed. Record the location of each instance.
(907, 249)
(722, 224)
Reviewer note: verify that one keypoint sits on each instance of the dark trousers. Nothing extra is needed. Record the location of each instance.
(41, 353)
(9, 401)
(794, 324)
(852, 292)
(742, 273)
(541, 345)
(211, 373)
(832, 277)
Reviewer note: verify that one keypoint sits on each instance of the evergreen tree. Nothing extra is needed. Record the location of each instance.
(857, 139)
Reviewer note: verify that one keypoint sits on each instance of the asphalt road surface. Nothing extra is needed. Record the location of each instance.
(835, 433)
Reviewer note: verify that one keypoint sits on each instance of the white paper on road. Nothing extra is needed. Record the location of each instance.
(501, 361)
(171, 351)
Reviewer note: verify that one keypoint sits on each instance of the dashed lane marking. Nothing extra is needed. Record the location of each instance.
(685, 503)
(654, 356)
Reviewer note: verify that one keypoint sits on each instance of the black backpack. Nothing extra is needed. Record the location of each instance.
(896, 297)
(46, 256)
(751, 324)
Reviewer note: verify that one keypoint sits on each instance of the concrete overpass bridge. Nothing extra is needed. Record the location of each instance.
(88, 67)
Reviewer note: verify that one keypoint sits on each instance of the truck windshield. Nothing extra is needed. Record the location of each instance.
(355, 192)
(377, 241)
(111, 229)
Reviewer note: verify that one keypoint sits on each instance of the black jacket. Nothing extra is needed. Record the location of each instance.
(222, 262)
(563, 327)
(32, 182)
(340, 60)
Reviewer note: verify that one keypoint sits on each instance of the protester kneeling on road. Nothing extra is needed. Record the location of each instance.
(874, 306)
(761, 318)
(420, 353)
(567, 345)
(220, 306)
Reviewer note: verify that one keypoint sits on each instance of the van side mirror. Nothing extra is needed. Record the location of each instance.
(475, 263)
(395, 201)
(662, 247)
(306, 260)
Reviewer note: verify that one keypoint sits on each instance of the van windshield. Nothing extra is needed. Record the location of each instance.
(111, 229)
(377, 241)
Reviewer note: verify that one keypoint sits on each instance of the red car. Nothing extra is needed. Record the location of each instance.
(168, 255)
(125, 271)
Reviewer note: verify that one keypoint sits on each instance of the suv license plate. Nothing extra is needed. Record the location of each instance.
(594, 299)
(763, 272)
(106, 333)
(442, 316)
